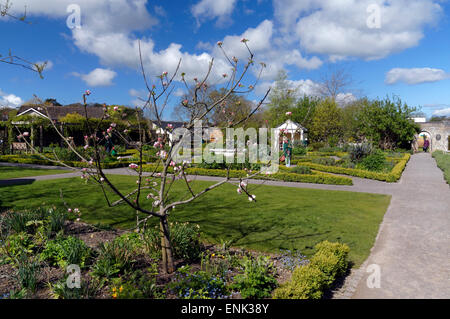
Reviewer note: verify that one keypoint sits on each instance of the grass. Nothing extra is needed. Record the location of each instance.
(7, 172)
(443, 162)
(282, 217)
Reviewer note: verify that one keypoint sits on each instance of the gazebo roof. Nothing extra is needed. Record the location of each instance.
(290, 126)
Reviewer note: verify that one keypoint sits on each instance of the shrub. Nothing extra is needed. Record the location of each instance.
(258, 279)
(310, 281)
(16, 247)
(374, 162)
(393, 176)
(329, 161)
(359, 151)
(307, 282)
(299, 150)
(66, 251)
(301, 170)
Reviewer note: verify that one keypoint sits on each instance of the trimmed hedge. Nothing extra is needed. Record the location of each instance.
(315, 178)
(282, 175)
(393, 176)
(20, 159)
(310, 281)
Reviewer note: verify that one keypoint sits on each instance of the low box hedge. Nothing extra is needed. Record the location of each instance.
(393, 176)
(283, 175)
(310, 282)
(27, 159)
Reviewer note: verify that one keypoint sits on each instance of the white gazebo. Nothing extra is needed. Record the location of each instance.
(294, 131)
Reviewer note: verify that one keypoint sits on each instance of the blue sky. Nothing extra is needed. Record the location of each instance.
(406, 54)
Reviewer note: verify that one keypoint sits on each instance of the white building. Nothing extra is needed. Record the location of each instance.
(294, 131)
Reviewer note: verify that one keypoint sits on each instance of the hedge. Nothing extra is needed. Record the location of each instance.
(310, 281)
(393, 176)
(40, 161)
(316, 178)
(283, 175)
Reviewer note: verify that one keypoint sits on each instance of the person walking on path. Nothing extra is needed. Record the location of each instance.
(426, 144)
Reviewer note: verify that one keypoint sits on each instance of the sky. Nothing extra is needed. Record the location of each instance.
(390, 48)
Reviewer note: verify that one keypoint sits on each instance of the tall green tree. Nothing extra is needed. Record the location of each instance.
(388, 124)
(282, 100)
(326, 126)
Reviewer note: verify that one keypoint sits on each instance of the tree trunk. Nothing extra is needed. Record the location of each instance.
(166, 246)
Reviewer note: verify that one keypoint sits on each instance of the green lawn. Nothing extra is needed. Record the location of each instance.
(443, 161)
(282, 217)
(7, 172)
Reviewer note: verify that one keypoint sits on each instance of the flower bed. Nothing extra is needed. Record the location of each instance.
(393, 176)
(37, 247)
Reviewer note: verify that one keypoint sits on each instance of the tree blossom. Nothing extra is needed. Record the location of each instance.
(87, 92)
(288, 113)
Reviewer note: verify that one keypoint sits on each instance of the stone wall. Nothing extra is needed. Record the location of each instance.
(435, 129)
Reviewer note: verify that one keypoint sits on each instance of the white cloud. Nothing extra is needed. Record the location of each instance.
(211, 9)
(10, 100)
(442, 112)
(302, 87)
(339, 28)
(98, 77)
(415, 75)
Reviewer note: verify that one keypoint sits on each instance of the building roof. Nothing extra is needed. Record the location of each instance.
(290, 126)
(57, 112)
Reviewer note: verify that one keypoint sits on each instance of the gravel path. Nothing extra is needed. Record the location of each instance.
(412, 249)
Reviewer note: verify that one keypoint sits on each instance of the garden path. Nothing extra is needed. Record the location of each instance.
(412, 249)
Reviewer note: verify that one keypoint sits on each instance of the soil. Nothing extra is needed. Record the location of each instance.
(93, 237)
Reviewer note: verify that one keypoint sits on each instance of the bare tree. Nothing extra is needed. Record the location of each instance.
(335, 81)
(151, 197)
